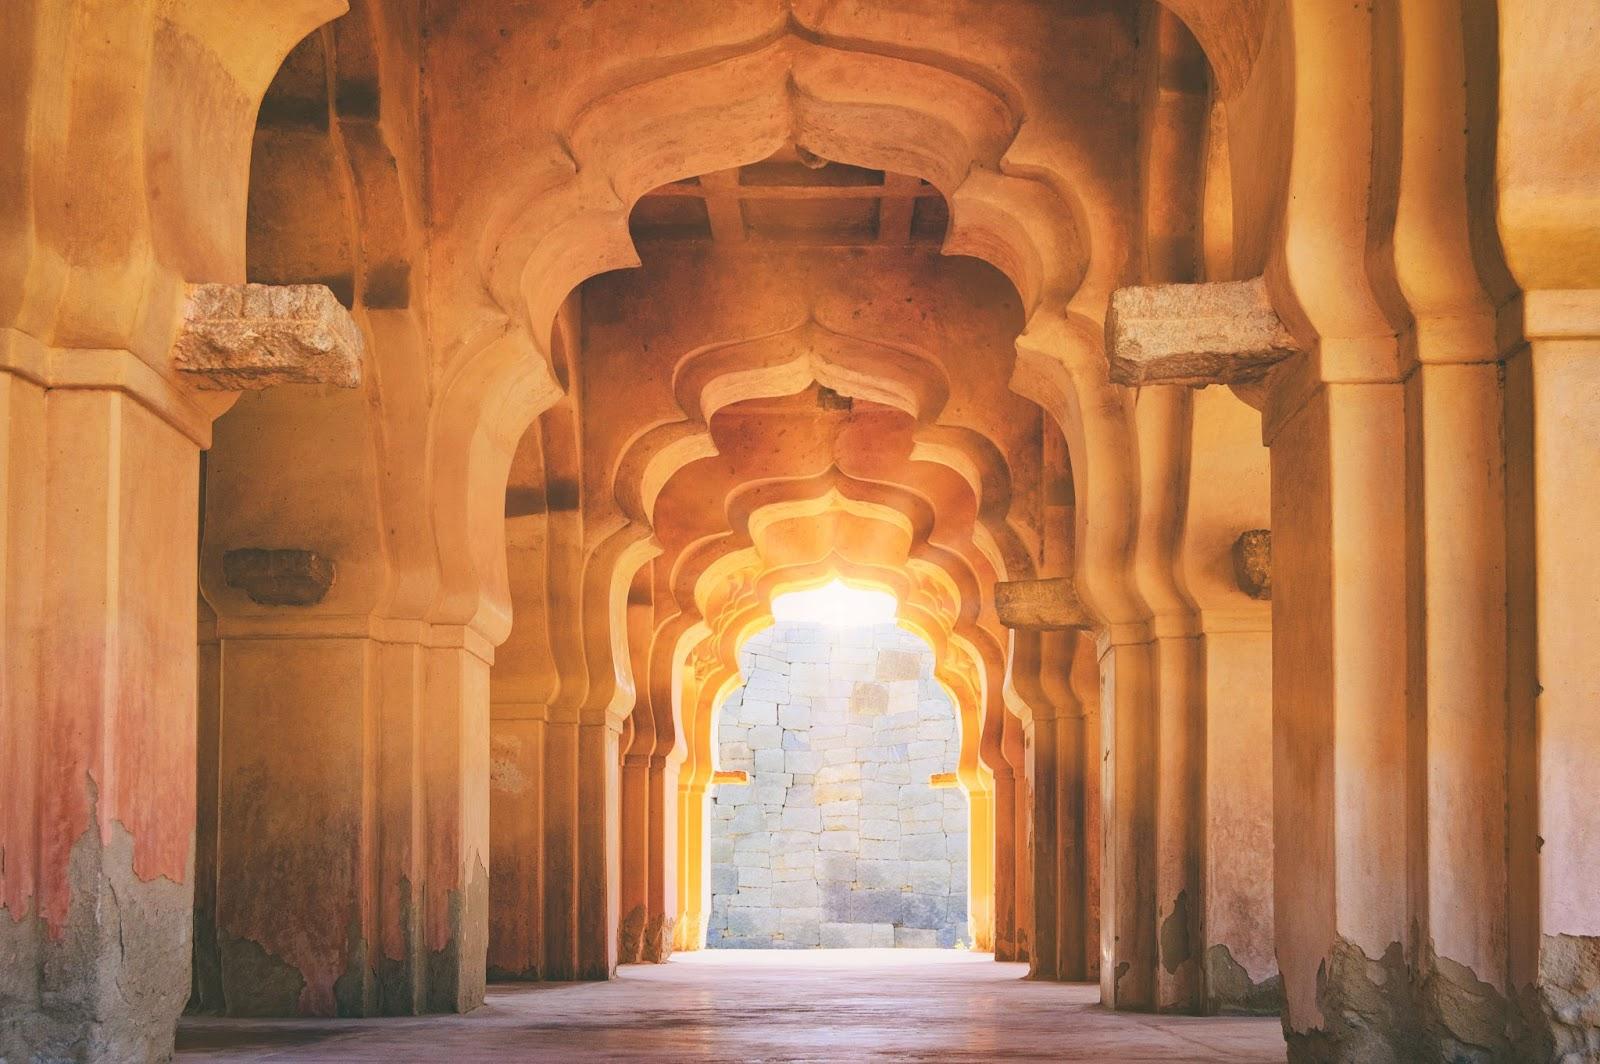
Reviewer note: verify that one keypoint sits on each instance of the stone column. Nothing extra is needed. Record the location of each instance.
(1040, 793)
(98, 495)
(635, 807)
(1459, 723)
(1060, 788)
(1554, 391)
(1158, 903)
(454, 782)
(661, 899)
(1544, 181)
(581, 846)
(523, 682)
(1007, 797)
(1173, 752)
(1128, 944)
(1339, 608)
(351, 873)
(516, 838)
(599, 844)
(1226, 566)
(353, 825)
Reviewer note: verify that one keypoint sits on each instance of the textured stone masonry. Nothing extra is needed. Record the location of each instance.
(838, 840)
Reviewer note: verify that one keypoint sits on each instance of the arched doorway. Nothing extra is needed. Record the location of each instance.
(837, 817)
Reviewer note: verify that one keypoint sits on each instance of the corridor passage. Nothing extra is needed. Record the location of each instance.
(764, 1005)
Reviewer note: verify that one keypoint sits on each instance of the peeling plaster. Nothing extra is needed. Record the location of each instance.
(1561, 1015)
(1366, 1008)
(1231, 991)
(1176, 947)
(1463, 1018)
(107, 980)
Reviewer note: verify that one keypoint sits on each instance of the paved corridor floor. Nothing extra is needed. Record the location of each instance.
(748, 1005)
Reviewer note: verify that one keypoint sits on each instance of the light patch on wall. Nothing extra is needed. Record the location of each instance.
(837, 606)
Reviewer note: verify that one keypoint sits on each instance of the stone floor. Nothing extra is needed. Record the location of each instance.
(750, 1005)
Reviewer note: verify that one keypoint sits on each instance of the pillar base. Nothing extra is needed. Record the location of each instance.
(1231, 992)
(1366, 1011)
(1560, 1016)
(100, 986)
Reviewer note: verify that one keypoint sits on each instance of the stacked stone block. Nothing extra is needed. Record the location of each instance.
(838, 840)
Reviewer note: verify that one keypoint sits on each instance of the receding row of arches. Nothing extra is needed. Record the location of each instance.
(664, 316)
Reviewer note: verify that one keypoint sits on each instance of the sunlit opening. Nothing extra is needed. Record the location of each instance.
(835, 605)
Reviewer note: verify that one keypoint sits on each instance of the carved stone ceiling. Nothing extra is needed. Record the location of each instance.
(797, 199)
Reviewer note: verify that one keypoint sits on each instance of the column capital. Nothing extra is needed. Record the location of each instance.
(1561, 314)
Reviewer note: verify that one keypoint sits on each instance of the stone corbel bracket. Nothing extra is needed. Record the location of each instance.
(279, 577)
(1221, 332)
(1252, 563)
(239, 337)
(1041, 605)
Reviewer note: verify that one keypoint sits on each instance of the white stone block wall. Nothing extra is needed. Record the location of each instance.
(838, 840)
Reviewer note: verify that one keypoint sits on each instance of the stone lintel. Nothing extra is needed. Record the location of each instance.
(1220, 332)
(251, 336)
(1252, 563)
(1044, 605)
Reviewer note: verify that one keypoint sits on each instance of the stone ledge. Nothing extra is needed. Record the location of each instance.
(251, 336)
(1042, 605)
(1221, 332)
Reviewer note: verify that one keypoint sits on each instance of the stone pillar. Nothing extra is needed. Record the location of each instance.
(599, 839)
(703, 689)
(581, 858)
(636, 823)
(1203, 477)
(560, 848)
(454, 739)
(516, 838)
(205, 995)
(1226, 567)
(523, 682)
(661, 898)
(1041, 790)
(1459, 701)
(1173, 751)
(1241, 971)
(1063, 831)
(1554, 391)
(98, 497)
(1005, 841)
(1339, 608)
(353, 874)
(1128, 944)
(635, 806)
(1544, 181)
(352, 839)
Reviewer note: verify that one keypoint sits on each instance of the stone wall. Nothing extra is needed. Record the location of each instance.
(838, 840)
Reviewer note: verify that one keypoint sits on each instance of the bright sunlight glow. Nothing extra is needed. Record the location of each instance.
(837, 606)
